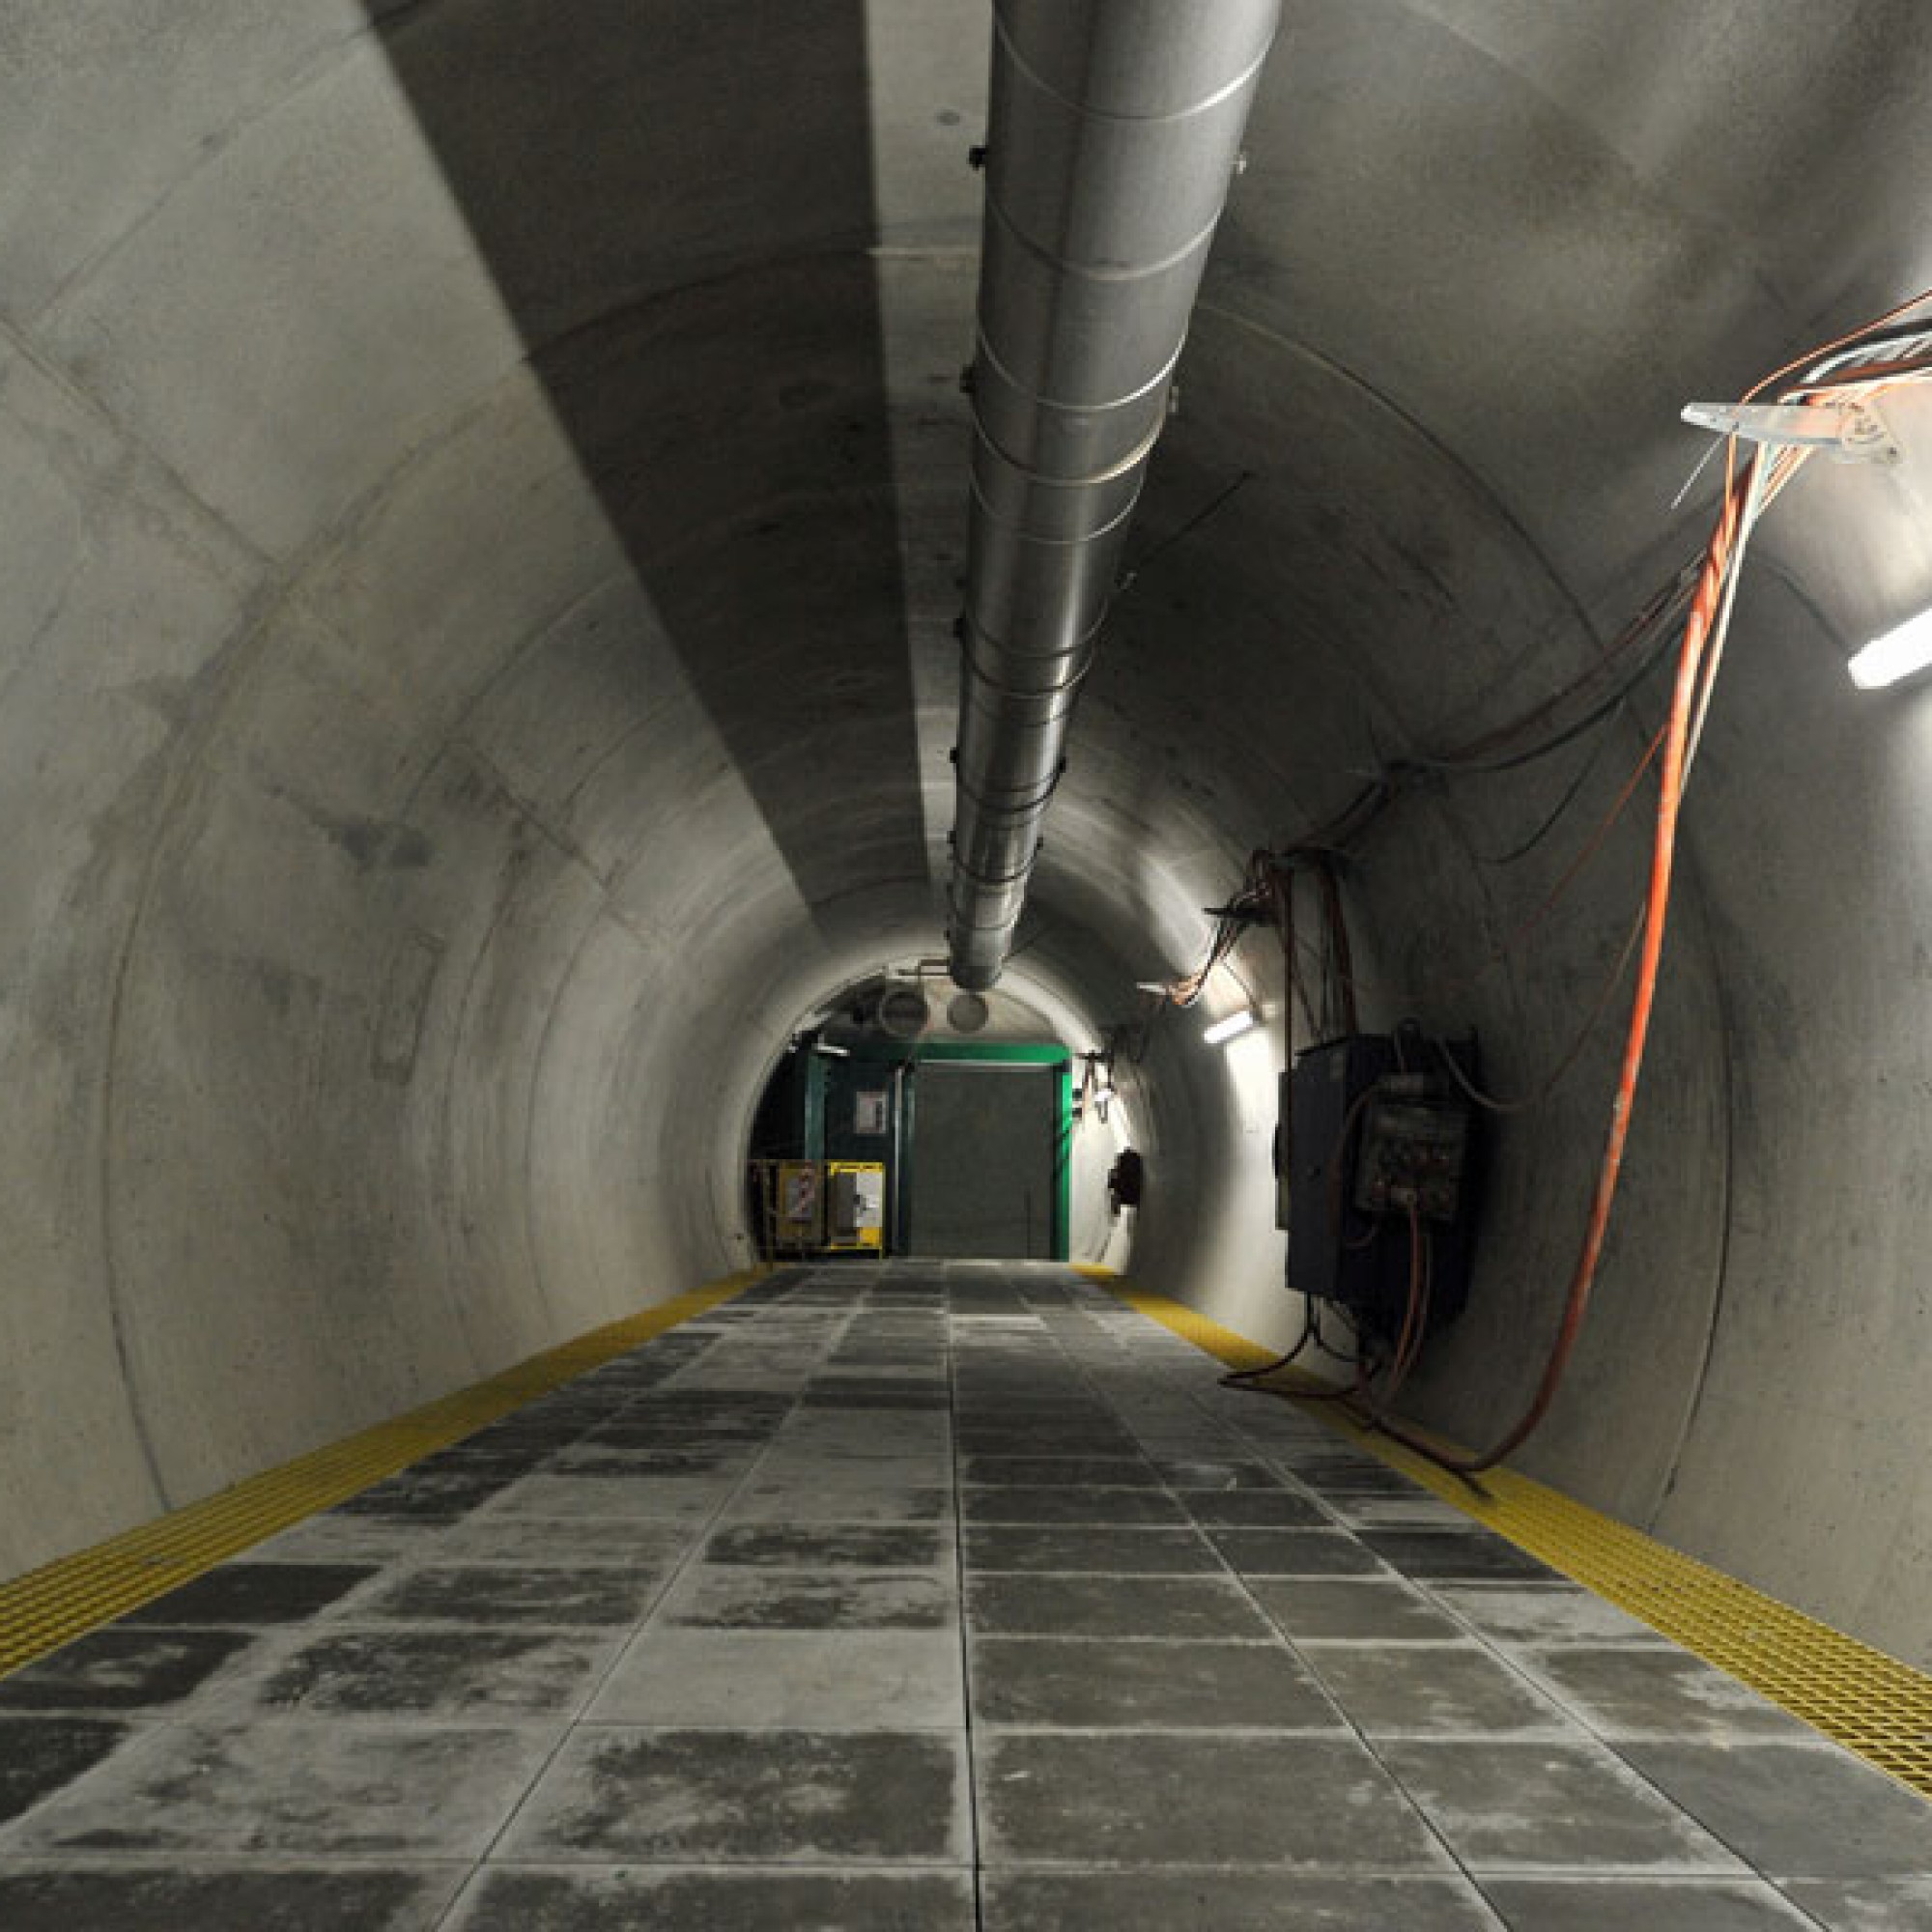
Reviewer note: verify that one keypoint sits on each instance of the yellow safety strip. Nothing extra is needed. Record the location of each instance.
(54, 1605)
(1858, 1696)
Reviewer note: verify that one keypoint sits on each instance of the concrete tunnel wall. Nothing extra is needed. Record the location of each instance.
(483, 519)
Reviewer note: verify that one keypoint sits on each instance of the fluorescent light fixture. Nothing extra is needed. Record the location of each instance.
(1896, 655)
(831, 1052)
(1231, 1028)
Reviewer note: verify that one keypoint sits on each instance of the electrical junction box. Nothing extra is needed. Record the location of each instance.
(854, 1205)
(1377, 1128)
(1415, 1150)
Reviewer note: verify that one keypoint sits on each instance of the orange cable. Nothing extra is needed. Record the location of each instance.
(1704, 607)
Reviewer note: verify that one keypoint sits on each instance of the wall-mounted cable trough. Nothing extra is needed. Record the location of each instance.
(1113, 132)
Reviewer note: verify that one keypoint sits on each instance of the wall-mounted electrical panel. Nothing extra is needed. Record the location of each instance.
(1378, 1150)
(1414, 1148)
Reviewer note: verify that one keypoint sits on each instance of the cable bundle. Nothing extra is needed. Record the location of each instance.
(1892, 350)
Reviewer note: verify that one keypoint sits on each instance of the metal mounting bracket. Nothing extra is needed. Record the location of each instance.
(1849, 431)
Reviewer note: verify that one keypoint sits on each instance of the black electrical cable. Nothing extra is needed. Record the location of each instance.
(1570, 794)
(1235, 1377)
(1213, 507)
(1330, 840)
(1854, 362)
(1660, 653)
(1415, 1322)
(1558, 1074)
(1333, 1354)
(1365, 1372)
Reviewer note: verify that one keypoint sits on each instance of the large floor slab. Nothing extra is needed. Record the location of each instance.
(925, 1598)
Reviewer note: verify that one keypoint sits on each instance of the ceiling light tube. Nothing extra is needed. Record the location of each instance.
(1231, 1028)
(1896, 655)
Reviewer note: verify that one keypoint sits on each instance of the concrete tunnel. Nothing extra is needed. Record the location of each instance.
(484, 516)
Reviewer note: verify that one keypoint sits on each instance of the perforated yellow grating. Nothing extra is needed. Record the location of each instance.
(48, 1606)
(1860, 1698)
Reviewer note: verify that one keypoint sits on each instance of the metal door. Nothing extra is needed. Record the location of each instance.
(986, 1161)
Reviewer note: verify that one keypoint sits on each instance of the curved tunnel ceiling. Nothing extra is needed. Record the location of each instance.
(485, 523)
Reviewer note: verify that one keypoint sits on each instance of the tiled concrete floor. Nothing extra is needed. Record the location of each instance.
(923, 1598)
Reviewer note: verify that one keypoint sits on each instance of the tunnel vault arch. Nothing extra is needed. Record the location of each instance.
(478, 665)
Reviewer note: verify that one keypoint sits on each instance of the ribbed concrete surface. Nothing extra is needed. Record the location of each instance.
(921, 1598)
(485, 494)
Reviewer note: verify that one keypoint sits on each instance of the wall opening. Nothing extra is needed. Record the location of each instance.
(874, 1147)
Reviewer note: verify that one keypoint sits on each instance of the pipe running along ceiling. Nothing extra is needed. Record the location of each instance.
(1113, 134)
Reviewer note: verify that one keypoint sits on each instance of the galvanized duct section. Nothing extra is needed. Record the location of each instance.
(1114, 129)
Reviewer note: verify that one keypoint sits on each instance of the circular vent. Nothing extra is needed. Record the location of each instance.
(903, 1012)
(966, 1012)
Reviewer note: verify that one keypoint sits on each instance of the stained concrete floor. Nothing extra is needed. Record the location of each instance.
(927, 1598)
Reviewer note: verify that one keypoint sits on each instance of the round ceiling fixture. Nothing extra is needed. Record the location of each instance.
(966, 1012)
(903, 1012)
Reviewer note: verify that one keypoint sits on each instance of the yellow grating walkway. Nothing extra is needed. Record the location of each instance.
(48, 1606)
(1860, 1698)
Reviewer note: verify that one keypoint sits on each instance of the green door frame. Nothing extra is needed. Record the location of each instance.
(988, 1053)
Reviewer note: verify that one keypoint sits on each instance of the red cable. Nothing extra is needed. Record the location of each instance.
(1415, 1325)
(1704, 606)
(1697, 674)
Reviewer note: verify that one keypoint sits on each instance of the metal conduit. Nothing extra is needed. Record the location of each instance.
(1114, 128)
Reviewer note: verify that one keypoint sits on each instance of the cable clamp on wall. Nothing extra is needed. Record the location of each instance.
(1851, 432)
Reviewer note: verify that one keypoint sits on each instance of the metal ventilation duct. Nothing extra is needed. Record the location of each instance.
(1114, 131)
